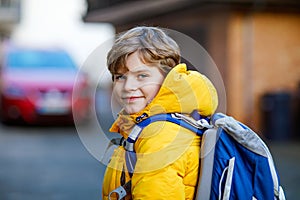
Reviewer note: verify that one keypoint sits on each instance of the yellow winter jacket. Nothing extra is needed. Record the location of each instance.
(167, 154)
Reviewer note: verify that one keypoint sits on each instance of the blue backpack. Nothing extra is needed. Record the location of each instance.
(235, 162)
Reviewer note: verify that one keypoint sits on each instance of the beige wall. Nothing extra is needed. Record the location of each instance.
(263, 56)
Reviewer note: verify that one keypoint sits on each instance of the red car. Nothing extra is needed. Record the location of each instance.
(39, 86)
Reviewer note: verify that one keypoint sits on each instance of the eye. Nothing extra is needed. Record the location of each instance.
(119, 77)
(142, 76)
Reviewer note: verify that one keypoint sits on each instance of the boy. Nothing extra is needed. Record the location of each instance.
(148, 79)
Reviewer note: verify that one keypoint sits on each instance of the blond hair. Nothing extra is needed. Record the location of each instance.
(153, 45)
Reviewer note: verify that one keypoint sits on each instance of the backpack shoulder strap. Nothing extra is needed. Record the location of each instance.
(198, 127)
(208, 143)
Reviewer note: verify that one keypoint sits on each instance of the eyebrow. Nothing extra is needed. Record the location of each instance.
(140, 69)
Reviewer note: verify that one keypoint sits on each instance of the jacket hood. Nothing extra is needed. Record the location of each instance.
(182, 91)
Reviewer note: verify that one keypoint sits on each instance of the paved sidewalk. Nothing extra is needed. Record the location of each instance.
(286, 156)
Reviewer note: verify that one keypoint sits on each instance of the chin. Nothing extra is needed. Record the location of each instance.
(132, 110)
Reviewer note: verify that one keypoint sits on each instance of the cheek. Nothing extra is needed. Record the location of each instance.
(152, 91)
(154, 87)
(117, 89)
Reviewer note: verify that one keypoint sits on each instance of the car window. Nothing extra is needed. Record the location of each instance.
(39, 59)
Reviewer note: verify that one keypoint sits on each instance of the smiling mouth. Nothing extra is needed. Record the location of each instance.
(132, 99)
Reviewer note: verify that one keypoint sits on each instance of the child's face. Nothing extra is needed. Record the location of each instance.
(135, 88)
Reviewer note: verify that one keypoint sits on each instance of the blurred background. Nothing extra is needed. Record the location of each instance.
(45, 70)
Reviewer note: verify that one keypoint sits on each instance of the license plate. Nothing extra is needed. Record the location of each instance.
(53, 103)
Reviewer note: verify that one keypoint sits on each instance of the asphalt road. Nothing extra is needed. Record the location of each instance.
(51, 163)
(48, 163)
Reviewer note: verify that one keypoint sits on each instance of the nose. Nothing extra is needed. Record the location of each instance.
(131, 84)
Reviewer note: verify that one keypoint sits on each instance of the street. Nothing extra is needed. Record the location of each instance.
(48, 163)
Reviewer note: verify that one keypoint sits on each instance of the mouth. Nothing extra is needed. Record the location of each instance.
(132, 98)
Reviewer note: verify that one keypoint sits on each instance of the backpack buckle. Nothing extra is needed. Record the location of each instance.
(204, 124)
(128, 146)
